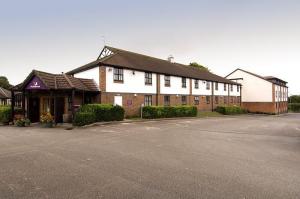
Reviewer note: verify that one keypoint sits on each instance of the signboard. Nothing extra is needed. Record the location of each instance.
(35, 84)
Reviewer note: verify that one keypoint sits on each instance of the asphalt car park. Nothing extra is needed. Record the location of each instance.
(224, 157)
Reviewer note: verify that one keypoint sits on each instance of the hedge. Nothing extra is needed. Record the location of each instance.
(294, 107)
(90, 113)
(151, 112)
(5, 114)
(230, 110)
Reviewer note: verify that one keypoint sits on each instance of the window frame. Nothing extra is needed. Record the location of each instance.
(168, 101)
(196, 100)
(148, 100)
(231, 87)
(118, 75)
(196, 84)
(238, 88)
(207, 99)
(148, 78)
(225, 87)
(216, 86)
(208, 85)
(167, 80)
(216, 99)
(183, 82)
(183, 102)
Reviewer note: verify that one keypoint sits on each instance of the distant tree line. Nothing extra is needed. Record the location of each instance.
(4, 83)
(294, 99)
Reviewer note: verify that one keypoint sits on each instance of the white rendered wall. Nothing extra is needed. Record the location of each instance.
(220, 90)
(202, 88)
(255, 89)
(90, 74)
(134, 82)
(175, 86)
(234, 92)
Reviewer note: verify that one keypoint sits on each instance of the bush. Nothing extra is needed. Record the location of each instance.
(5, 114)
(22, 122)
(230, 110)
(99, 113)
(151, 112)
(84, 118)
(294, 107)
(294, 99)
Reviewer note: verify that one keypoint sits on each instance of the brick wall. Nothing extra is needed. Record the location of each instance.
(261, 107)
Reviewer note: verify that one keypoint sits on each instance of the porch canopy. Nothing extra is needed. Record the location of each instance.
(53, 85)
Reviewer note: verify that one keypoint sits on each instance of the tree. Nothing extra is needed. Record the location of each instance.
(201, 67)
(294, 99)
(4, 83)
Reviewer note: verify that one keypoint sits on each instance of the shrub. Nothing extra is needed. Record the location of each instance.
(84, 118)
(46, 118)
(5, 114)
(230, 110)
(22, 122)
(151, 112)
(100, 112)
(294, 107)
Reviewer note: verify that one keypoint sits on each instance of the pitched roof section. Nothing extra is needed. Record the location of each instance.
(135, 61)
(60, 82)
(4, 93)
(267, 78)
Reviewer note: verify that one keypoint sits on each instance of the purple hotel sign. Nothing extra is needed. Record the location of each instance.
(36, 84)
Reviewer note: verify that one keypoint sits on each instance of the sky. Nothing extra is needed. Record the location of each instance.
(261, 36)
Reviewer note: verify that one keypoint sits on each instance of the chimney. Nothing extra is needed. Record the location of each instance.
(171, 58)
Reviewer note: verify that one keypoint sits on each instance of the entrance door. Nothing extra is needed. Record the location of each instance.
(118, 100)
(34, 109)
(60, 107)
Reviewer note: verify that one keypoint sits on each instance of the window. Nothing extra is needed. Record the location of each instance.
(238, 88)
(216, 99)
(231, 99)
(207, 99)
(148, 100)
(231, 87)
(196, 100)
(207, 85)
(196, 83)
(225, 87)
(148, 78)
(183, 82)
(216, 86)
(225, 100)
(183, 100)
(238, 99)
(167, 100)
(118, 75)
(167, 81)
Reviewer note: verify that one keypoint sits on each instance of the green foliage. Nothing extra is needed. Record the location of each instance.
(151, 112)
(5, 114)
(4, 83)
(294, 99)
(22, 122)
(199, 66)
(294, 107)
(84, 118)
(230, 110)
(98, 113)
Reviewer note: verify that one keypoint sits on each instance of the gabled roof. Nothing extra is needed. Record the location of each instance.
(60, 82)
(4, 93)
(266, 78)
(134, 61)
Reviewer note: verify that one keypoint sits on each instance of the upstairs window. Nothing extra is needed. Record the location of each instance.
(207, 85)
(183, 82)
(225, 87)
(118, 75)
(231, 87)
(148, 78)
(183, 100)
(167, 81)
(216, 86)
(238, 88)
(197, 84)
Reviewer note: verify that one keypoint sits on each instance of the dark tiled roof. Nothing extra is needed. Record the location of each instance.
(60, 82)
(4, 93)
(135, 61)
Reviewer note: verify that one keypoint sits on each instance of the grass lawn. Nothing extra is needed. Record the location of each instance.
(208, 114)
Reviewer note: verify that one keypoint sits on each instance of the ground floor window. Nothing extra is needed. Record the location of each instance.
(231, 99)
(207, 99)
(238, 99)
(216, 99)
(225, 100)
(183, 100)
(167, 100)
(148, 100)
(196, 100)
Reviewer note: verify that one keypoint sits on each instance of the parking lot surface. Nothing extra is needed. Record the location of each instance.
(226, 157)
